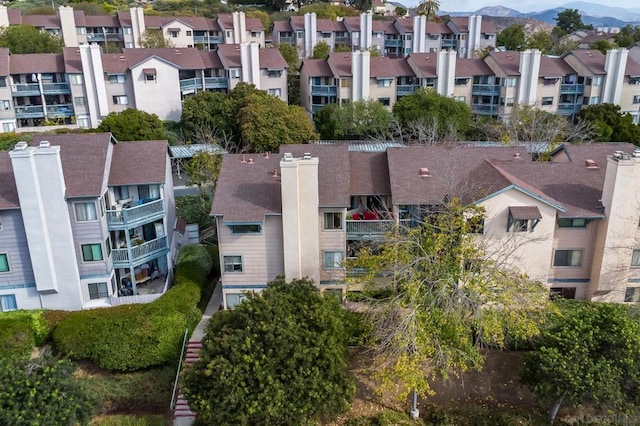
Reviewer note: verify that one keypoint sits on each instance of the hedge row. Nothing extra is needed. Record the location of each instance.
(20, 331)
(132, 337)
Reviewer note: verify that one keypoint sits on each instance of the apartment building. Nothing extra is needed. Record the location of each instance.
(567, 222)
(399, 37)
(127, 28)
(491, 85)
(85, 222)
(82, 85)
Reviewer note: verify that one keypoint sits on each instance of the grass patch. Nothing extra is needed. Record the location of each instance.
(129, 420)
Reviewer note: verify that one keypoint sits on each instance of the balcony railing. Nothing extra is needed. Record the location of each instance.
(139, 253)
(369, 227)
(135, 216)
(323, 90)
(485, 90)
(342, 40)
(571, 89)
(406, 89)
(392, 42)
(28, 89)
(287, 40)
(56, 88)
(56, 111)
(191, 84)
(483, 109)
(449, 43)
(569, 108)
(32, 111)
(204, 39)
(216, 83)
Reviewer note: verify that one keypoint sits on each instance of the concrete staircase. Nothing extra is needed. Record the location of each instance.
(182, 414)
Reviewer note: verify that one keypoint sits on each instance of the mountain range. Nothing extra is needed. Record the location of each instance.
(596, 14)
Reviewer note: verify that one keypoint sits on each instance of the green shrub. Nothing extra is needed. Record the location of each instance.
(194, 262)
(384, 418)
(129, 420)
(215, 257)
(20, 331)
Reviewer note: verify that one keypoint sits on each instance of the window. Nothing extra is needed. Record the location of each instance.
(151, 192)
(98, 291)
(8, 303)
(75, 78)
(632, 294)
(332, 220)
(275, 73)
(120, 100)
(3, 82)
(189, 33)
(173, 34)
(597, 81)
(461, 81)
(275, 92)
(127, 30)
(5, 105)
(461, 98)
(85, 212)
(567, 258)
(235, 73)
(246, 229)
(635, 258)
(83, 122)
(564, 292)
(636, 99)
(4, 263)
(547, 100)
(345, 82)
(107, 244)
(81, 30)
(384, 82)
(572, 223)
(520, 225)
(233, 263)
(234, 299)
(300, 34)
(117, 78)
(91, 252)
(229, 34)
(129, 45)
(80, 101)
(8, 127)
(332, 259)
(511, 82)
(385, 101)
(255, 34)
(595, 100)
(407, 37)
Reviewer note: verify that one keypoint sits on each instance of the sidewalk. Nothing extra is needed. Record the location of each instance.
(212, 308)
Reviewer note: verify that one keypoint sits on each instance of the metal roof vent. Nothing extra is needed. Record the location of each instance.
(250, 161)
(44, 144)
(20, 146)
(288, 156)
(307, 156)
(618, 154)
(516, 156)
(636, 153)
(424, 172)
(591, 165)
(244, 159)
(275, 173)
(266, 155)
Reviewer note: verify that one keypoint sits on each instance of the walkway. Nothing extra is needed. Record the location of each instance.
(182, 415)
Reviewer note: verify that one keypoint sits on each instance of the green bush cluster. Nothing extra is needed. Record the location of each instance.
(132, 337)
(130, 420)
(195, 262)
(20, 331)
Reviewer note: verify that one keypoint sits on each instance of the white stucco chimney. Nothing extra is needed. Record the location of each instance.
(138, 26)
(529, 68)
(68, 24)
(4, 16)
(446, 72)
(614, 67)
(310, 34)
(473, 41)
(366, 30)
(419, 34)
(250, 62)
(361, 72)
(239, 27)
(93, 76)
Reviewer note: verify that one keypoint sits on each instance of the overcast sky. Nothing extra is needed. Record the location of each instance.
(520, 5)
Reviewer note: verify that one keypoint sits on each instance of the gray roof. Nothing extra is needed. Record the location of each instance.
(187, 151)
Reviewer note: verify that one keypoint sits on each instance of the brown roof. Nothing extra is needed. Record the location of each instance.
(461, 23)
(42, 21)
(79, 18)
(632, 68)
(471, 67)
(183, 58)
(383, 66)
(592, 38)
(102, 21)
(124, 17)
(525, 212)
(282, 27)
(272, 59)
(72, 61)
(404, 25)
(229, 55)
(328, 25)
(15, 16)
(4, 61)
(385, 26)
(225, 20)
(509, 61)
(333, 171)
(8, 191)
(297, 22)
(487, 27)
(340, 64)
(210, 59)
(369, 173)
(84, 158)
(592, 59)
(316, 68)
(36, 62)
(554, 67)
(423, 64)
(247, 192)
(352, 23)
(438, 28)
(140, 162)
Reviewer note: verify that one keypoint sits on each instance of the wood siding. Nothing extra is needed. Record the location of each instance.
(13, 243)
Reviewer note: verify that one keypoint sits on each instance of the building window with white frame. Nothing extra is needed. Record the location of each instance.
(597, 81)
(81, 30)
(80, 101)
(595, 100)
(636, 99)
(235, 73)
(92, 252)
(8, 127)
(332, 259)
(384, 82)
(120, 100)
(232, 263)
(632, 295)
(8, 303)
(83, 122)
(127, 30)
(117, 78)
(75, 79)
(570, 258)
(332, 221)
(547, 100)
(511, 82)
(98, 291)
(635, 257)
(85, 212)
(4, 262)
(462, 99)
(234, 299)
(5, 105)
(275, 92)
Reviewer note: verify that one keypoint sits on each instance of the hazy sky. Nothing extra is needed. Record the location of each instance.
(521, 5)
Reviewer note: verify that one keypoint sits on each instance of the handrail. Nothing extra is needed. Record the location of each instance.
(172, 404)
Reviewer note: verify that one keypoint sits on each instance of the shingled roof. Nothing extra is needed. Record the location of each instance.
(8, 191)
(138, 163)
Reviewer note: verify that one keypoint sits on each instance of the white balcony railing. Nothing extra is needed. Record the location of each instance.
(136, 215)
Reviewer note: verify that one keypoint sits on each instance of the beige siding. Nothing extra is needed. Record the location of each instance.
(376, 92)
(332, 240)
(167, 106)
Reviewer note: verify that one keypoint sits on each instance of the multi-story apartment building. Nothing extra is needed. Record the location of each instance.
(127, 28)
(570, 223)
(83, 84)
(399, 37)
(492, 85)
(85, 222)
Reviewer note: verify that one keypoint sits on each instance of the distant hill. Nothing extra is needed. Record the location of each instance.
(530, 25)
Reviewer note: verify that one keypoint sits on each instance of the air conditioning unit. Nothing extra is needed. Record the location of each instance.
(618, 154)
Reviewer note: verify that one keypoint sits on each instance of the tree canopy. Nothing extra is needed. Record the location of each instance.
(279, 357)
(353, 120)
(542, 41)
(28, 39)
(321, 50)
(512, 38)
(610, 124)
(154, 39)
(133, 125)
(588, 354)
(570, 20)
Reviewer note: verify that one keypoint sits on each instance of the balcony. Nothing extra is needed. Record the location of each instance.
(29, 89)
(406, 89)
(357, 229)
(56, 88)
(216, 83)
(323, 90)
(392, 42)
(571, 89)
(191, 84)
(569, 109)
(139, 253)
(485, 90)
(32, 111)
(207, 39)
(128, 218)
(100, 36)
(58, 111)
(449, 43)
(342, 40)
(484, 109)
(288, 40)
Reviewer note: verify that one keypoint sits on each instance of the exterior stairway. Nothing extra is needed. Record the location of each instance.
(182, 414)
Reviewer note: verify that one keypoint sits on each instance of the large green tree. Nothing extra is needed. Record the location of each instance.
(133, 125)
(321, 50)
(588, 354)
(28, 39)
(353, 120)
(512, 38)
(627, 36)
(446, 299)
(278, 358)
(425, 116)
(429, 8)
(154, 39)
(570, 20)
(610, 124)
(42, 391)
(542, 41)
